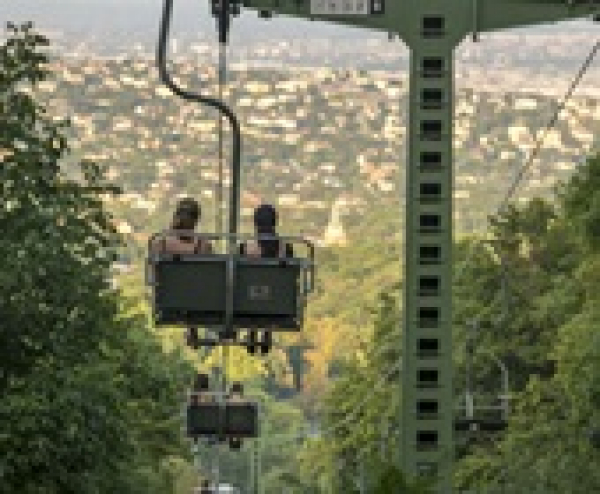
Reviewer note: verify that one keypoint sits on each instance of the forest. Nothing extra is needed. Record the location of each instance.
(92, 393)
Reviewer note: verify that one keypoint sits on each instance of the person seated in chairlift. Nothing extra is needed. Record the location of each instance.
(236, 395)
(199, 393)
(265, 223)
(182, 241)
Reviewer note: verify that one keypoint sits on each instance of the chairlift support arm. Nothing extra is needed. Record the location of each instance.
(166, 78)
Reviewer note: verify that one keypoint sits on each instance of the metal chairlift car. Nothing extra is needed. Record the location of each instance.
(229, 290)
(216, 415)
(492, 418)
(225, 290)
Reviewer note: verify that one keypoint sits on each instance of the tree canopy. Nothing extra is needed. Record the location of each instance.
(529, 290)
(90, 402)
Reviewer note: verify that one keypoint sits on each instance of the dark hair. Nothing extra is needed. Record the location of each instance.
(201, 383)
(265, 221)
(187, 213)
(265, 218)
(237, 388)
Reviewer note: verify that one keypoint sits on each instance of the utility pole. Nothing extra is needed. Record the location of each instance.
(431, 29)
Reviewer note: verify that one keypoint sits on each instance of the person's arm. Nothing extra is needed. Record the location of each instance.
(203, 247)
(252, 249)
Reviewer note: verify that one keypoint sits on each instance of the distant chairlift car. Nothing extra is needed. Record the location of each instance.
(229, 291)
(225, 416)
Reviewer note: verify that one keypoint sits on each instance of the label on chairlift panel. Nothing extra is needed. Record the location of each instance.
(259, 292)
(346, 7)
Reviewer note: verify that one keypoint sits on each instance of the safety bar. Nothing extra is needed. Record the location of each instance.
(238, 239)
(234, 260)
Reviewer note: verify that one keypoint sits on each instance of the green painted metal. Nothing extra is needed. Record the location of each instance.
(502, 14)
(427, 418)
(467, 15)
(229, 420)
(432, 29)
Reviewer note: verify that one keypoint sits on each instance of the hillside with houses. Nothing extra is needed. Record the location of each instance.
(324, 145)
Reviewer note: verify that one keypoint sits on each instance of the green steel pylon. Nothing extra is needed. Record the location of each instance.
(431, 29)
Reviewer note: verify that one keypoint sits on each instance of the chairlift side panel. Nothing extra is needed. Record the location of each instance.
(190, 289)
(203, 419)
(241, 419)
(267, 293)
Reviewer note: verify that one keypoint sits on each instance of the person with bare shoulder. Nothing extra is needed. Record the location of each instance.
(182, 240)
(265, 224)
(269, 246)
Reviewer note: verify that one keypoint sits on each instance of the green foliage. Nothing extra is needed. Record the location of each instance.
(531, 288)
(542, 322)
(54, 229)
(360, 270)
(360, 411)
(89, 399)
(390, 480)
(580, 199)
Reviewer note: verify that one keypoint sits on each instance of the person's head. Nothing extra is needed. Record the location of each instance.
(201, 383)
(237, 388)
(265, 219)
(187, 214)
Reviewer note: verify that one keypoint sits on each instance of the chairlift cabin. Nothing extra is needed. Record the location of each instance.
(225, 290)
(481, 418)
(208, 415)
(228, 290)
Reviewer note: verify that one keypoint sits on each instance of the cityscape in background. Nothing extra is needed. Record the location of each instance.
(324, 123)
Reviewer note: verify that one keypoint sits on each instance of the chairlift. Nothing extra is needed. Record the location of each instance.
(476, 418)
(229, 290)
(225, 290)
(229, 417)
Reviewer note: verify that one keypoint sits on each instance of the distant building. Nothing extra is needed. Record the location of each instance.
(525, 104)
(334, 232)
(124, 228)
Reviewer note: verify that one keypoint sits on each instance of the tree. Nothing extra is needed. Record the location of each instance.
(89, 399)
(55, 232)
(547, 336)
(531, 286)
(355, 432)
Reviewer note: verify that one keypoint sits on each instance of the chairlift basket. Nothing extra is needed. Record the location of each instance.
(229, 419)
(229, 290)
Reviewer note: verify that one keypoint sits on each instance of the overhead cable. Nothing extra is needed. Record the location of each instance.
(537, 148)
(551, 123)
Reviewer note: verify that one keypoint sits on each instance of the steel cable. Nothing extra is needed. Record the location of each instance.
(521, 173)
